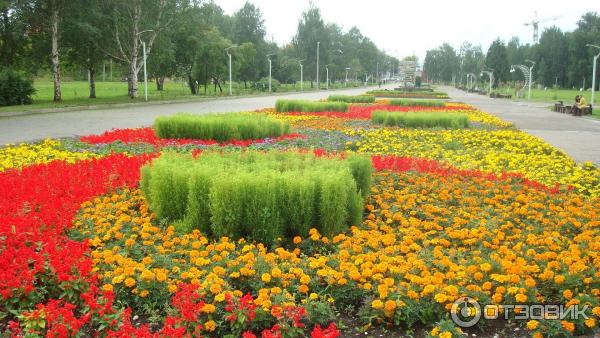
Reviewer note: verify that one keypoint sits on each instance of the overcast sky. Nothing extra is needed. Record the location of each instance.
(404, 27)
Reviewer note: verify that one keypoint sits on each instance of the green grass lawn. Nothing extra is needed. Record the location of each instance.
(75, 93)
(552, 95)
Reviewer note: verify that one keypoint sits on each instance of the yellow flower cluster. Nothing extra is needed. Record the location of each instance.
(494, 151)
(135, 256)
(18, 156)
(427, 240)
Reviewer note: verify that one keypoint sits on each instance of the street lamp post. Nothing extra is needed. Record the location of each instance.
(301, 75)
(347, 69)
(318, 83)
(594, 72)
(144, 56)
(327, 78)
(527, 73)
(230, 79)
(269, 58)
(490, 74)
(530, 77)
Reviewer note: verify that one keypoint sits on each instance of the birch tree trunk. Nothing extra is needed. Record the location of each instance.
(132, 80)
(92, 73)
(54, 21)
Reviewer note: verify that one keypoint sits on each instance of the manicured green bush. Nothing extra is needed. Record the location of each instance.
(415, 94)
(263, 84)
(256, 195)
(352, 99)
(15, 88)
(219, 127)
(421, 119)
(309, 106)
(417, 103)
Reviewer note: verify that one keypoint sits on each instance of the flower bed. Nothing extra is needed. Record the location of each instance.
(491, 213)
(420, 120)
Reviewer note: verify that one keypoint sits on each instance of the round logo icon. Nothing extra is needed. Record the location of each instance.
(465, 312)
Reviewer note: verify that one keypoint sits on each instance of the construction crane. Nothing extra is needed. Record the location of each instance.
(535, 23)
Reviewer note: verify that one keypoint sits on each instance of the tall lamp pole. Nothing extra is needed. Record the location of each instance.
(229, 55)
(490, 74)
(301, 75)
(347, 69)
(594, 72)
(269, 58)
(318, 83)
(327, 77)
(144, 55)
(530, 77)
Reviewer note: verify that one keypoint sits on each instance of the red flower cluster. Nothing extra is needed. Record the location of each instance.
(358, 112)
(148, 135)
(402, 164)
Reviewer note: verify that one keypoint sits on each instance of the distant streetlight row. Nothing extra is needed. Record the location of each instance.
(227, 50)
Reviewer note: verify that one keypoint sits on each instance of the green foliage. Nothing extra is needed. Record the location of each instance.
(352, 99)
(309, 106)
(422, 93)
(255, 195)
(15, 88)
(417, 103)
(263, 84)
(421, 119)
(219, 127)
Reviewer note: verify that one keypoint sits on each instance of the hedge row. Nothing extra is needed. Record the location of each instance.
(408, 94)
(283, 106)
(219, 127)
(258, 196)
(415, 103)
(420, 119)
(352, 99)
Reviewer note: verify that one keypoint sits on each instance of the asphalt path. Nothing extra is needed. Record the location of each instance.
(579, 137)
(37, 126)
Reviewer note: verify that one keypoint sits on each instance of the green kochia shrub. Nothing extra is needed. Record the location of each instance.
(309, 106)
(15, 88)
(258, 196)
(420, 119)
(415, 103)
(352, 99)
(219, 127)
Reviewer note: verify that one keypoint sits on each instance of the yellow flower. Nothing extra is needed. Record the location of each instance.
(210, 326)
(485, 267)
(377, 304)
(313, 296)
(446, 334)
(161, 276)
(590, 322)
(521, 298)
(208, 308)
(440, 297)
(144, 293)
(297, 240)
(107, 287)
(266, 278)
(303, 288)
(129, 282)
(533, 324)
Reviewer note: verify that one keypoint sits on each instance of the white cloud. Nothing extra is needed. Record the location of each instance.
(407, 27)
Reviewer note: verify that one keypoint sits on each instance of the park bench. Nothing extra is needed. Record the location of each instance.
(558, 106)
(587, 110)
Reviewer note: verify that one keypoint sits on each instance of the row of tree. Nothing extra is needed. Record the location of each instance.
(562, 59)
(183, 39)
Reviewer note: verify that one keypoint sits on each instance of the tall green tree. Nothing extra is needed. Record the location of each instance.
(552, 54)
(497, 59)
(311, 31)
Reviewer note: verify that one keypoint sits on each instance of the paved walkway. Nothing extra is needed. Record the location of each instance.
(577, 136)
(83, 122)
